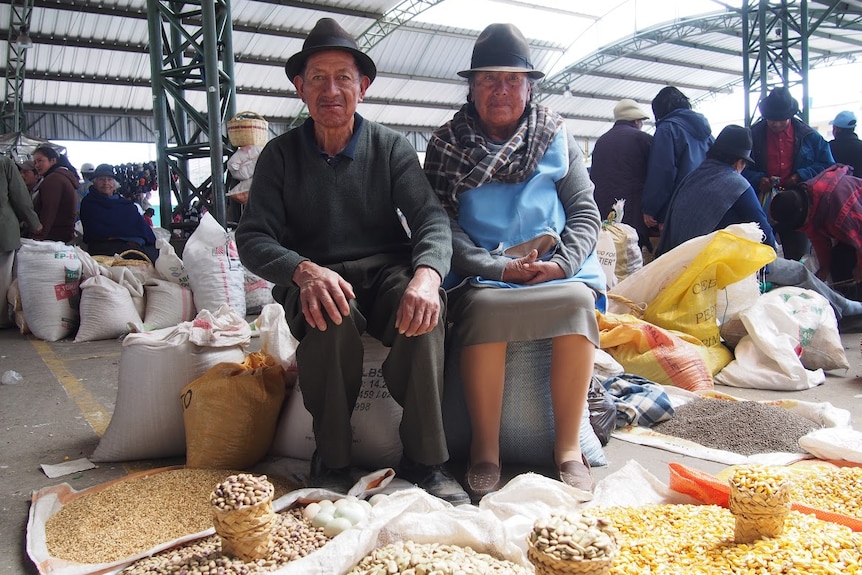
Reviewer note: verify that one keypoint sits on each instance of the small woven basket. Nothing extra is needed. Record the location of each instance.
(547, 565)
(246, 532)
(121, 259)
(758, 516)
(247, 129)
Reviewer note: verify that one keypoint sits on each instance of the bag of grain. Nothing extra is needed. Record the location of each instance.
(106, 309)
(168, 304)
(216, 275)
(48, 278)
(169, 265)
(230, 412)
(375, 420)
(147, 421)
(527, 424)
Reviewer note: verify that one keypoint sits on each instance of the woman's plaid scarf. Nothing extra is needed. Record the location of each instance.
(461, 158)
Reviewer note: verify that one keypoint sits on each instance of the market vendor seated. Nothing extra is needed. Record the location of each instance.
(113, 224)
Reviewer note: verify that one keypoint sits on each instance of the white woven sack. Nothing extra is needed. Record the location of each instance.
(147, 421)
(216, 275)
(527, 424)
(629, 255)
(792, 337)
(132, 281)
(106, 310)
(375, 419)
(258, 291)
(606, 252)
(168, 304)
(242, 163)
(48, 278)
(169, 265)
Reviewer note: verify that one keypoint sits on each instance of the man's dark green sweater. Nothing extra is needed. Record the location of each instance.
(303, 207)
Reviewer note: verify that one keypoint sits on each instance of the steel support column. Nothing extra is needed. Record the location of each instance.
(775, 48)
(191, 51)
(12, 114)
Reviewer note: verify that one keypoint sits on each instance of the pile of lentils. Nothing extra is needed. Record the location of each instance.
(744, 427)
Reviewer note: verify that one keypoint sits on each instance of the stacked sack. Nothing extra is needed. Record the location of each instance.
(247, 131)
(62, 291)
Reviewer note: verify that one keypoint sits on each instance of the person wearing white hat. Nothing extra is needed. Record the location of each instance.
(619, 166)
(87, 170)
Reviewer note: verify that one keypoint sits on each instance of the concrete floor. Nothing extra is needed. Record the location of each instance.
(69, 389)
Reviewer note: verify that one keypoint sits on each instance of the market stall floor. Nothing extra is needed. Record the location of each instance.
(67, 391)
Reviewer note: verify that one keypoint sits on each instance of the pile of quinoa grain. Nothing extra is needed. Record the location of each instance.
(134, 515)
(744, 427)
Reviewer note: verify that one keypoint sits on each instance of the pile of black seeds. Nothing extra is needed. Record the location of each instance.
(744, 427)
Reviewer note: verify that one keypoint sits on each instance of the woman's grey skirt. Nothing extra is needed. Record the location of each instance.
(493, 315)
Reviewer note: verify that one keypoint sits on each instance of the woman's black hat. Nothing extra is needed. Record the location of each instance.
(734, 141)
(501, 48)
(328, 35)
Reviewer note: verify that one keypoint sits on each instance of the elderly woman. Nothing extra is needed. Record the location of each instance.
(57, 201)
(524, 226)
(112, 224)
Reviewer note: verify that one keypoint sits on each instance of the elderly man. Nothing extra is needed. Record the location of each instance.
(322, 224)
(786, 151)
(619, 166)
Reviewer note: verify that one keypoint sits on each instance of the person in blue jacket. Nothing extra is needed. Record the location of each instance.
(714, 195)
(786, 151)
(682, 137)
(112, 224)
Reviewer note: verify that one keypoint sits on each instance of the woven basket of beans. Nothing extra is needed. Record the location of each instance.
(243, 517)
(571, 543)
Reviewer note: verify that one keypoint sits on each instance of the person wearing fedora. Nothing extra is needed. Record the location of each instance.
(322, 224)
(681, 139)
(525, 227)
(786, 151)
(715, 195)
(619, 166)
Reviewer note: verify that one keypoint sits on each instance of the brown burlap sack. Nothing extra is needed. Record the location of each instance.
(231, 411)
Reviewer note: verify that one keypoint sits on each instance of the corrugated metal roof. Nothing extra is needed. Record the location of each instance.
(91, 57)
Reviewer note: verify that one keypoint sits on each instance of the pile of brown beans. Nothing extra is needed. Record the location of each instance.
(293, 537)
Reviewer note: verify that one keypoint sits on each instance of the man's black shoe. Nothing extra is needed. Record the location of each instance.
(338, 480)
(435, 480)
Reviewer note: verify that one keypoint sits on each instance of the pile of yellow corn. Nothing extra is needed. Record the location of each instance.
(699, 539)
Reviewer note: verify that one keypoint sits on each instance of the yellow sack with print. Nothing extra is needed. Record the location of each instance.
(657, 354)
(688, 303)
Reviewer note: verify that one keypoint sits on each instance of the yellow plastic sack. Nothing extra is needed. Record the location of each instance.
(688, 304)
(660, 355)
